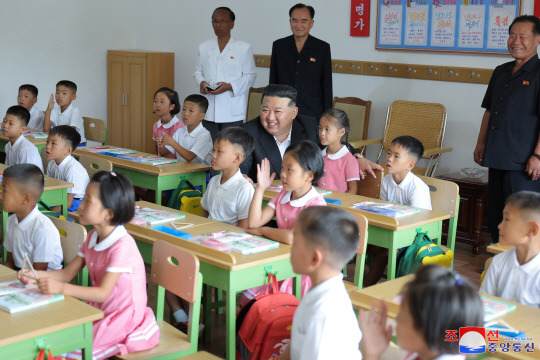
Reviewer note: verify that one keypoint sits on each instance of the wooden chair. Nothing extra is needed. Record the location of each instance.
(358, 111)
(95, 130)
(370, 186)
(72, 237)
(360, 253)
(254, 103)
(44, 159)
(177, 271)
(93, 164)
(445, 198)
(424, 121)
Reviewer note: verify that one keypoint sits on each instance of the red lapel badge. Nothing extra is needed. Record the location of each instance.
(525, 82)
(232, 57)
(312, 59)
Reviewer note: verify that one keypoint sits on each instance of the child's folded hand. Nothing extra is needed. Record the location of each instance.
(166, 140)
(255, 231)
(49, 285)
(25, 276)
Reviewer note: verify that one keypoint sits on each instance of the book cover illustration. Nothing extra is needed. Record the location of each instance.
(27, 299)
(386, 209)
(153, 217)
(10, 287)
(245, 245)
(494, 308)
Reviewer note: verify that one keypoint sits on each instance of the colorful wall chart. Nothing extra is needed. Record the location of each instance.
(445, 25)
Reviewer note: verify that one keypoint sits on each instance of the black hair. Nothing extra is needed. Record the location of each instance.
(335, 230)
(69, 84)
(20, 112)
(413, 146)
(116, 193)
(231, 13)
(308, 155)
(29, 87)
(238, 137)
(173, 98)
(303, 6)
(342, 120)
(525, 201)
(281, 91)
(530, 19)
(199, 100)
(28, 176)
(69, 134)
(440, 300)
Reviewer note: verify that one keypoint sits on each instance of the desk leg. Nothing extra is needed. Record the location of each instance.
(230, 326)
(297, 286)
(4, 222)
(64, 203)
(87, 350)
(392, 257)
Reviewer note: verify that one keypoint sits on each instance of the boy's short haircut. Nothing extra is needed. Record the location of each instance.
(526, 202)
(199, 100)
(238, 137)
(334, 230)
(28, 177)
(20, 112)
(413, 146)
(116, 193)
(29, 87)
(69, 134)
(69, 84)
(439, 300)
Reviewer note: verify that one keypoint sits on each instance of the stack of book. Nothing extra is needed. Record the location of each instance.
(15, 297)
(387, 209)
(149, 216)
(244, 244)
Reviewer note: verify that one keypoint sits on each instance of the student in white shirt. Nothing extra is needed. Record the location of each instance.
(193, 142)
(27, 98)
(19, 150)
(66, 113)
(515, 274)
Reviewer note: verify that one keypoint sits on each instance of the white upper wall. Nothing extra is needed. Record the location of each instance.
(70, 38)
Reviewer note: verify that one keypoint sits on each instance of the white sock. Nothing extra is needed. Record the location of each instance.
(180, 316)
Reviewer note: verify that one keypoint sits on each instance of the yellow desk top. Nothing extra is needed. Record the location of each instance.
(229, 261)
(50, 183)
(378, 220)
(498, 248)
(29, 136)
(43, 320)
(161, 170)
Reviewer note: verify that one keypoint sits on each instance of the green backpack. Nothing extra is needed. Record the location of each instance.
(186, 198)
(409, 258)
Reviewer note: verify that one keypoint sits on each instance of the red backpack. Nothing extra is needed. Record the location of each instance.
(264, 324)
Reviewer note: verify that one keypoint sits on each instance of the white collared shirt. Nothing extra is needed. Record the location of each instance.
(36, 236)
(324, 324)
(23, 152)
(509, 280)
(198, 141)
(411, 191)
(282, 146)
(36, 119)
(71, 171)
(71, 116)
(229, 202)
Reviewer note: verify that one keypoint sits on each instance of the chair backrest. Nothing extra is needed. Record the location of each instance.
(362, 222)
(72, 237)
(93, 164)
(358, 112)
(254, 103)
(176, 270)
(370, 186)
(424, 121)
(444, 195)
(44, 159)
(95, 130)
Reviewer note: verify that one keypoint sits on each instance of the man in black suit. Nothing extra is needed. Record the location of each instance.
(304, 62)
(278, 126)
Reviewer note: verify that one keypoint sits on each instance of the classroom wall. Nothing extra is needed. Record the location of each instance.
(73, 42)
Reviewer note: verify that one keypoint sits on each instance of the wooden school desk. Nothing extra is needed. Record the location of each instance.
(231, 272)
(157, 178)
(64, 326)
(385, 231)
(524, 318)
(40, 143)
(497, 248)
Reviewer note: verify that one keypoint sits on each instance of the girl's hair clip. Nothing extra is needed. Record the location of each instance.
(459, 282)
(113, 173)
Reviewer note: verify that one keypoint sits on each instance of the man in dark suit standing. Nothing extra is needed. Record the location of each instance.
(278, 126)
(304, 62)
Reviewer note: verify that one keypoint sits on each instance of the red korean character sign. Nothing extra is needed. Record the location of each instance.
(360, 17)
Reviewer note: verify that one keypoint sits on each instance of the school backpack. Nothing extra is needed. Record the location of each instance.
(409, 258)
(186, 198)
(264, 324)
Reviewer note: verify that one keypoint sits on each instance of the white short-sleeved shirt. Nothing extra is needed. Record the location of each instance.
(229, 202)
(23, 152)
(411, 191)
(507, 279)
(36, 236)
(324, 325)
(36, 119)
(71, 116)
(72, 171)
(198, 141)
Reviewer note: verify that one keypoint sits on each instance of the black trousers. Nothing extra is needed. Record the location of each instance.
(503, 183)
(214, 128)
